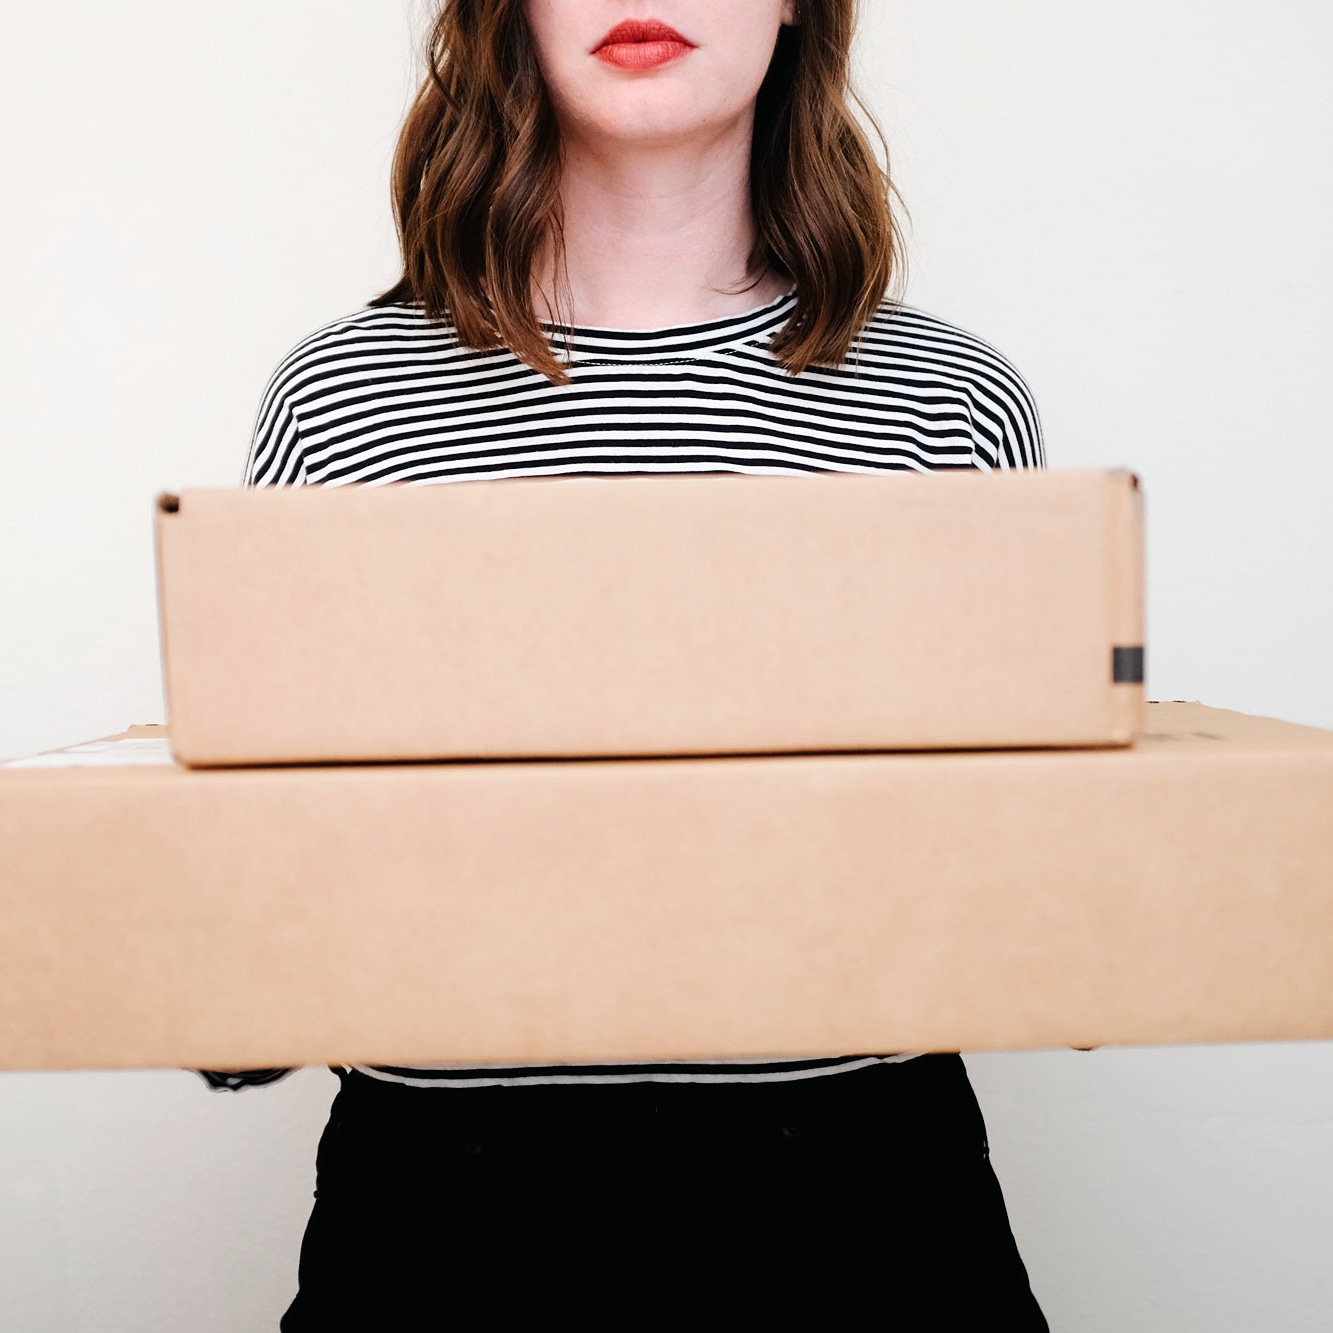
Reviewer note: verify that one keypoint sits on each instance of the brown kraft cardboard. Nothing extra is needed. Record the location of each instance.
(1177, 891)
(660, 615)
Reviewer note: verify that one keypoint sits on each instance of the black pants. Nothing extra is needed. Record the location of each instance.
(864, 1196)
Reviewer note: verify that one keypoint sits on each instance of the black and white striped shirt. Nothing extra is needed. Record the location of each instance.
(387, 396)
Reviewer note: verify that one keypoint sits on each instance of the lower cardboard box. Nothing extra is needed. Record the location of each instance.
(1181, 891)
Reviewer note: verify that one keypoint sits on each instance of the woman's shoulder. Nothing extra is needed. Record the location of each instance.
(898, 331)
(365, 334)
(903, 342)
(326, 367)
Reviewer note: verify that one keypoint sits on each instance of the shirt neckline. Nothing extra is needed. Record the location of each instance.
(584, 341)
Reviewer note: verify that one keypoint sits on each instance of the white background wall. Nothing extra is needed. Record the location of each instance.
(1134, 201)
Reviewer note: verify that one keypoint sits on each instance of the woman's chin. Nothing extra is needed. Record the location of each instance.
(653, 119)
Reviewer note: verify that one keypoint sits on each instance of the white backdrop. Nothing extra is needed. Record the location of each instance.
(1133, 201)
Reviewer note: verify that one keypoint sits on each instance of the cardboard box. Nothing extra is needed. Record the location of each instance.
(660, 615)
(1179, 891)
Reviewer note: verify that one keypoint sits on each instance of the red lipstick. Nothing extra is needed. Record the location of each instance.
(641, 44)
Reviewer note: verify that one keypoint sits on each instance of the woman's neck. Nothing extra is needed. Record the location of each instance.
(657, 237)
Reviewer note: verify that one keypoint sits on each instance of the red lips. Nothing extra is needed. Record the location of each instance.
(641, 44)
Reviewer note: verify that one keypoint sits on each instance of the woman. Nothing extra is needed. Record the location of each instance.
(647, 236)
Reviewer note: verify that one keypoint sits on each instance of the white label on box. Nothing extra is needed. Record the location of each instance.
(102, 754)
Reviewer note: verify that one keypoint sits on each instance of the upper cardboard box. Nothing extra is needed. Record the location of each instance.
(653, 616)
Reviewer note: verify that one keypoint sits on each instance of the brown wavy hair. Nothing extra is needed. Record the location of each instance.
(476, 186)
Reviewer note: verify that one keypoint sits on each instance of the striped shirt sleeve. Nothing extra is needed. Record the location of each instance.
(276, 457)
(1007, 430)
